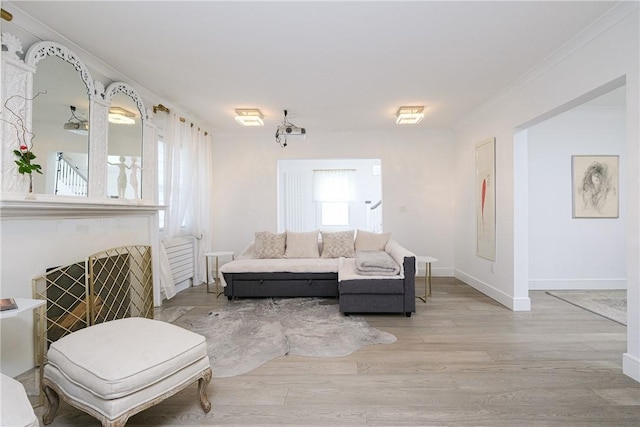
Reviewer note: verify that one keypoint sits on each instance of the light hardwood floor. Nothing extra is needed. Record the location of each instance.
(462, 359)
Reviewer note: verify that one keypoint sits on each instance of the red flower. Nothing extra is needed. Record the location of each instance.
(23, 148)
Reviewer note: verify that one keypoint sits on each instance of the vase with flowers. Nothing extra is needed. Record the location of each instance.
(24, 153)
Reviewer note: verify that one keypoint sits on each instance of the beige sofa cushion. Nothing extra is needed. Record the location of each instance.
(269, 245)
(338, 244)
(368, 241)
(120, 357)
(302, 244)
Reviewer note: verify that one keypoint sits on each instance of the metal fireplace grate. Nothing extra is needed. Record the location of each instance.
(113, 284)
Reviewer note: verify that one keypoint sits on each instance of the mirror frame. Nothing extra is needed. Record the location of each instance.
(17, 79)
(123, 88)
(97, 109)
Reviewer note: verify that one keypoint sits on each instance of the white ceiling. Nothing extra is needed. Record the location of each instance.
(333, 65)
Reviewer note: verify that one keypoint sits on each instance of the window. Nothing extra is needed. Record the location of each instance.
(334, 214)
(329, 194)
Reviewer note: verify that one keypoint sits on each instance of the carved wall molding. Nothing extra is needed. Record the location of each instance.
(121, 87)
(42, 50)
(17, 79)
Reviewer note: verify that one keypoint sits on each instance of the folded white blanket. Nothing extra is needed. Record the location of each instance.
(349, 271)
(378, 263)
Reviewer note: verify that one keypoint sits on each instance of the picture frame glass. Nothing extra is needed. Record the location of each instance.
(486, 200)
(595, 188)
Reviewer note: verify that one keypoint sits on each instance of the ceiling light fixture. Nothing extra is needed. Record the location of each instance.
(409, 115)
(249, 117)
(287, 129)
(120, 116)
(75, 124)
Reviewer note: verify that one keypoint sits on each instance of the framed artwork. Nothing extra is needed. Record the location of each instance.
(595, 186)
(486, 199)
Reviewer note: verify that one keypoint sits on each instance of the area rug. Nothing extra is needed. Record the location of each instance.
(611, 304)
(245, 334)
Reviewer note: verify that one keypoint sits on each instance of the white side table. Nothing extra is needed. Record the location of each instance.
(216, 255)
(427, 260)
(27, 304)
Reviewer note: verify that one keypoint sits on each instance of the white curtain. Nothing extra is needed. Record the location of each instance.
(333, 185)
(187, 182)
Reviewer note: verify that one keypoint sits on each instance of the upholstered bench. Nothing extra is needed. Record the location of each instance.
(15, 408)
(115, 369)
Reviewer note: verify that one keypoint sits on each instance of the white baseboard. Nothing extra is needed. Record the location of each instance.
(578, 284)
(515, 304)
(185, 284)
(631, 366)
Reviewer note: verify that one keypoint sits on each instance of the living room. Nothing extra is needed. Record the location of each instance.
(428, 171)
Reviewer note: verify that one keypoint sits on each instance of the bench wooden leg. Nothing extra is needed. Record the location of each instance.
(54, 401)
(202, 391)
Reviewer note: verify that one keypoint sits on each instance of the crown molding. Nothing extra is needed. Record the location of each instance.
(618, 13)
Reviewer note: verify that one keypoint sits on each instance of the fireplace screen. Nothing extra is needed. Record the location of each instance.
(109, 285)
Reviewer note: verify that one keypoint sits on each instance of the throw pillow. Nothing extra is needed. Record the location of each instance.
(368, 241)
(302, 245)
(338, 244)
(269, 245)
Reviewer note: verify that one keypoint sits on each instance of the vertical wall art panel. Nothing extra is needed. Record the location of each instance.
(595, 186)
(486, 199)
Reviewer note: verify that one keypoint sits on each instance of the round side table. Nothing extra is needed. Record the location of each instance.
(216, 255)
(427, 260)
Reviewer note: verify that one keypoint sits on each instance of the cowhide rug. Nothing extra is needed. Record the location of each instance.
(247, 333)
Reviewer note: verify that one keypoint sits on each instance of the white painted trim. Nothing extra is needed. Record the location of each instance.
(557, 284)
(631, 366)
(515, 304)
(185, 284)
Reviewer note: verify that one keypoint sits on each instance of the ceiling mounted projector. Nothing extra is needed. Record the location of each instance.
(75, 124)
(287, 129)
(291, 130)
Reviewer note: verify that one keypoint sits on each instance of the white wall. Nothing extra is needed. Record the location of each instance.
(416, 174)
(603, 53)
(566, 252)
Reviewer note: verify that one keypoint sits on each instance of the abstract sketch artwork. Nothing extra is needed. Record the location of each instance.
(486, 200)
(595, 186)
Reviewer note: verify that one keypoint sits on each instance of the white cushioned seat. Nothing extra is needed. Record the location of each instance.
(126, 355)
(15, 408)
(115, 369)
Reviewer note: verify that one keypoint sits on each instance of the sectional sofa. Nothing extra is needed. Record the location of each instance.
(323, 264)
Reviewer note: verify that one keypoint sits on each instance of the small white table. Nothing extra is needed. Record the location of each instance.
(26, 304)
(216, 255)
(427, 260)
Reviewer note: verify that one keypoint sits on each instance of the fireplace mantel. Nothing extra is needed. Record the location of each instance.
(47, 206)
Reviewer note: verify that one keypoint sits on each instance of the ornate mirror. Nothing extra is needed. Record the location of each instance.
(124, 143)
(60, 119)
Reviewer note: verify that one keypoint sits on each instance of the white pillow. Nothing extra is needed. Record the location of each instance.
(269, 245)
(302, 245)
(338, 244)
(368, 241)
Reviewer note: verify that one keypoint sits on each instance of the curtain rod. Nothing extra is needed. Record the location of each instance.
(160, 107)
(7, 16)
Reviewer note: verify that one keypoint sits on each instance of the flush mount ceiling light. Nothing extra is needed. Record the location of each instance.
(409, 115)
(287, 129)
(249, 117)
(75, 124)
(120, 116)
